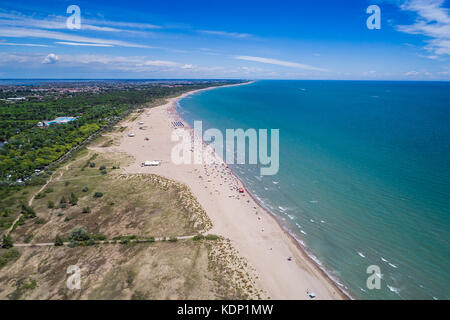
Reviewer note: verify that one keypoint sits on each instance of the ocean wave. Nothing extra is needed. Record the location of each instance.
(392, 265)
(361, 254)
(393, 289)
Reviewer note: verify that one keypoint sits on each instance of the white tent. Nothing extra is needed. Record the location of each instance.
(151, 163)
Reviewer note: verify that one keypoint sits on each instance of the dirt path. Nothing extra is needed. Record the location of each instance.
(45, 244)
(30, 202)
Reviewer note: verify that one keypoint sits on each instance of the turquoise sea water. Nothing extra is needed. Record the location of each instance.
(364, 174)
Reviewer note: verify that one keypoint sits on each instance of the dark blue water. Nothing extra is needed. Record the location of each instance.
(364, 174)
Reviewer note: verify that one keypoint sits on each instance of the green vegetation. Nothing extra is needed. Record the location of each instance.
(7, 242)
(79, 234)
(212, 237)
(31, 148)
(86, 210)
(39, 221)
(8, 256)
(6, 218)
(58, 241)
(28, 212)
(98, 195)
(73, 200)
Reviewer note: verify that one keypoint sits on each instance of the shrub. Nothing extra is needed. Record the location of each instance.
(66, 219)
(50, 204)
(85, 189)
(198, 237)
(98, 195)
(72, 244)
(39, 196)
(90, 242)
(102, 168)
(67, 183)
(103, 172)
(86, 210)
(73, 199)
(79, 234)
(59, 214)
(58, 241)
(7, 242)
(173, 239)
(28, 212)
(8, 256)
(212, 237)
(125, 241)
(39, 221)
(92, 164)
(48, 190)
(99, 237)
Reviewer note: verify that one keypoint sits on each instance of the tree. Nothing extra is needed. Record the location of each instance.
(7, 242)
(58, 241)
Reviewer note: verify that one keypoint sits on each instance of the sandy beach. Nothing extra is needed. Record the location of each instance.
(284, 271)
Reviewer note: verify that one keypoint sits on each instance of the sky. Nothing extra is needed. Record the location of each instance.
(246, 39)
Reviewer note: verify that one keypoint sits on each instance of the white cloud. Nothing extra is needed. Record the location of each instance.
(433, 21)
(45, 34)
(160, 63)
(59, 22)
(279, 62)
(226, 34)
(23, 44)
(50, 59)
(187, 66)
(84, 44)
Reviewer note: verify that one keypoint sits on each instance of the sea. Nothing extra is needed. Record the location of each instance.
(364, 175)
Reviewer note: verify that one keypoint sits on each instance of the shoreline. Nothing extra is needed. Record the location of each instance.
(293, 279)
(307, 254)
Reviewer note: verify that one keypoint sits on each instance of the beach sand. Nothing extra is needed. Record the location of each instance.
(254, 232)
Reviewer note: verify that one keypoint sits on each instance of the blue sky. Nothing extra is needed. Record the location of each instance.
(226, 39)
